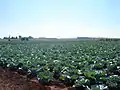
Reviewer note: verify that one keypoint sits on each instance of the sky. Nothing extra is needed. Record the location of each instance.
(60, 18)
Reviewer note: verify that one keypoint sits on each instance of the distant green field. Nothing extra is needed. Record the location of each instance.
(73, 62)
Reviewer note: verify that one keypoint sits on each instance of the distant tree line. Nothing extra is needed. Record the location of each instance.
(24, 38)
(83, 38)
(10, 38)
(109, 39)
(20, 38)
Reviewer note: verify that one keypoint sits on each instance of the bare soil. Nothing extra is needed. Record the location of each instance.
(13, 81)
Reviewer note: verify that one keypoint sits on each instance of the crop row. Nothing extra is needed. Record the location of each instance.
(93, 64)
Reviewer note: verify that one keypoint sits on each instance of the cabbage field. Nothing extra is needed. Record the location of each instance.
(87, 63)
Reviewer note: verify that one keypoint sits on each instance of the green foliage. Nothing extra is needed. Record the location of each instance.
(79, 62)
(113, 82)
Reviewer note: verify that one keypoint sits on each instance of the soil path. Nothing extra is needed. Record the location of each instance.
(13, 81)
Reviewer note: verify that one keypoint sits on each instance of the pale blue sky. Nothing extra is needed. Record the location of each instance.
(60, 18)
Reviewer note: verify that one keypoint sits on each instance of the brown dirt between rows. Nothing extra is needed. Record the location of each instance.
(13, 81)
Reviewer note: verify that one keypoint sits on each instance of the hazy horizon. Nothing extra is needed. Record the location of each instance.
(60, 18)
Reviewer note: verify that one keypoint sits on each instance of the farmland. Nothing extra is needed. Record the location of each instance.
(85, 63)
